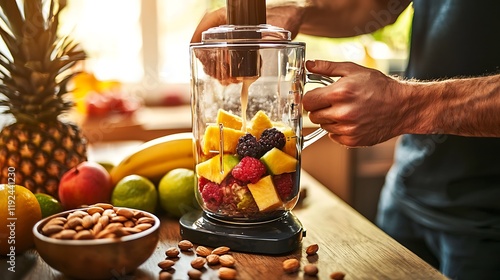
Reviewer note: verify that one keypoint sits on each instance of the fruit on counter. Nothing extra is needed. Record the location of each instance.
(264, 194)
(137, 192)
(279, 162)
(37, 139)
(211, 139)
(229, 120)
(214, 171)
(177, 192)
(48, 204)
(259, 123)
(19, 212)
(85, 184)
(153, 159)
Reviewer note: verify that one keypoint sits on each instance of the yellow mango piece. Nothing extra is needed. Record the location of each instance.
(265, 195)
(259, 123)
(279, 162)
(216, 171)
(211, 139)
(229, 120)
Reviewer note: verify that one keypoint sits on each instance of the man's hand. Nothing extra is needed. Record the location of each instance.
(363, 108)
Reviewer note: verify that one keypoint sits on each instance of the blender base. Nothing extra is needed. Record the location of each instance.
(276, 237)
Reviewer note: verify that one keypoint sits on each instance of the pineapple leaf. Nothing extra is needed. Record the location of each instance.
(14, 18)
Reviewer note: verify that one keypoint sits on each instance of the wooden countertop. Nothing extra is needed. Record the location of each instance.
(347, 241)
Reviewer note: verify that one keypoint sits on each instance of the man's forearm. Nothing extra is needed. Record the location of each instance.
(466, 107)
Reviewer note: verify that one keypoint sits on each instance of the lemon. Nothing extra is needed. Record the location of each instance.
(135, 191)
(107, 165)
(19, 212)
(48, 204)
(177, 192)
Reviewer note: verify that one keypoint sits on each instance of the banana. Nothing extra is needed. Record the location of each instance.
(155, 158)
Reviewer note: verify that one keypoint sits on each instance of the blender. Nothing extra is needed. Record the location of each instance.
(247, 82)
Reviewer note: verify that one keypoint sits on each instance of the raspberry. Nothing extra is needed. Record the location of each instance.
(284, 185)
(249, 146)
(212, 195)
(202, 182)
(272, 138)
(249, 169)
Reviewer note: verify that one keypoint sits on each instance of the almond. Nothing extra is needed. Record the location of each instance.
(185, 245)
(312, 249)
(227, 273)
(221, 250)
(166, 264)
(213, 259)
(227, 260)
(291, 265)
(203, 251)
(198, 262)
(310, 269)
(194, 274)
(165, 275)
(337, 275)
(172, 252)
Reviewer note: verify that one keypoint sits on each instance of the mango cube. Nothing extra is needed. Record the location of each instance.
(229, 120)
(211, 139)
(215, 170)
(265, 195)
(279, 162)
(259, 123)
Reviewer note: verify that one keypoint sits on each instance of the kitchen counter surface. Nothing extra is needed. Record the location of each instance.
(348, 243)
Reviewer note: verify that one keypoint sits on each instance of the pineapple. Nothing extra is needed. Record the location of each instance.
(38, 146)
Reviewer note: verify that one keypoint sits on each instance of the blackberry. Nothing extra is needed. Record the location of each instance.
(248, 146)
(272, 138)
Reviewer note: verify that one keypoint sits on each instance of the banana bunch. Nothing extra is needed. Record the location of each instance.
(153, 159)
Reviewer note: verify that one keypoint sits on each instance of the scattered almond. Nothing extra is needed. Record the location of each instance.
(337, 275)
(213, 259)
(227, 273)
(203, 251)
(165, 275)
(227, 260)
(185, 245)
(198, 262)
(166, 264)
(312, 249)
(291, 265)
(221, 250)
(172, 252)
(310, 269)
(194, 274)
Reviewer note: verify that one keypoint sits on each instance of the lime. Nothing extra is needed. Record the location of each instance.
(177, 192)
(48, 204)
(135, 191)
(107, 165)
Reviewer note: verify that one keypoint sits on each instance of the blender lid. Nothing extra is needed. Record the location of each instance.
(246, 34)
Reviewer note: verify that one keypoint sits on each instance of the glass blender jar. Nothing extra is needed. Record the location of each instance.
(247, 84)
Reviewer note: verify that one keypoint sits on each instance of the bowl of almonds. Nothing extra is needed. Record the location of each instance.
(97, 242)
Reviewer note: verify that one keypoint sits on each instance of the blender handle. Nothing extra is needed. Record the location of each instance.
(320, 132)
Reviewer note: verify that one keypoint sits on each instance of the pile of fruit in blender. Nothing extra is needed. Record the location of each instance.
(255, 174)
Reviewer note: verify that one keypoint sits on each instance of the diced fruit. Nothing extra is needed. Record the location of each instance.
(284, 185)
(211, 139)
(279, 162)
(291, 142)
(214, 171)
(229, 120)
(265, 194)
(272, 138)
(259, 123)
(249, 169)
(249, 146)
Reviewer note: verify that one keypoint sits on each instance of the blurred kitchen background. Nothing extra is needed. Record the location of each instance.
(135, 84)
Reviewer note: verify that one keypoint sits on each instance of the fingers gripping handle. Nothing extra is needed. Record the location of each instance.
(320, 132)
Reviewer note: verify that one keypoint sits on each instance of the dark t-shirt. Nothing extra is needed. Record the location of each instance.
(449, 182)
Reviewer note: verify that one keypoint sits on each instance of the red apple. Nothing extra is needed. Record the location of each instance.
(85, 184)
